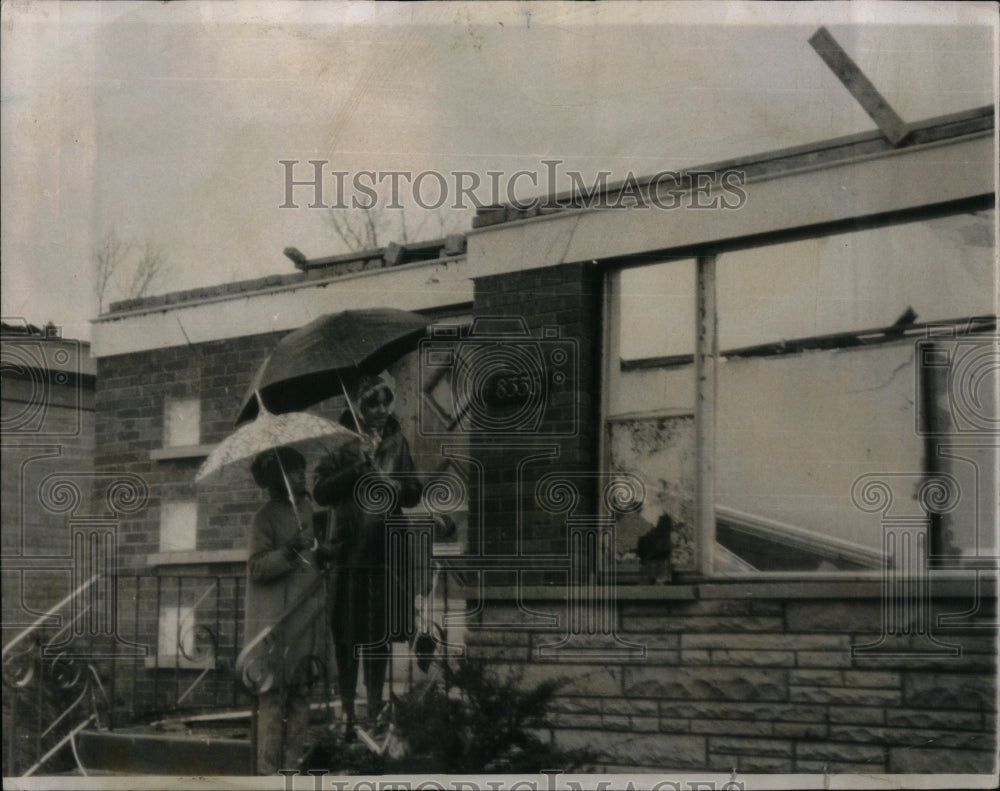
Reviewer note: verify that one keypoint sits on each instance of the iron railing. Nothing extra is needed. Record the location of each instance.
(142, 651)
(50, 693)
(124, 650)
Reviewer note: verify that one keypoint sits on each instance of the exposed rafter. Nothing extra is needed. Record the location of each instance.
(893, 127)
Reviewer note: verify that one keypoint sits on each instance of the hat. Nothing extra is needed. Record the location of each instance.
(266, 470)
(369, 385)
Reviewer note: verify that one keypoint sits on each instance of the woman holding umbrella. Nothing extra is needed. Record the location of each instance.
(362, 591)
(285, 596)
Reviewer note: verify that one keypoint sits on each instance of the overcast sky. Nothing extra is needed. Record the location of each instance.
(166, 122)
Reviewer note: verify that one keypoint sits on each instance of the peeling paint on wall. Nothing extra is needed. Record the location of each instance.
(660, 450)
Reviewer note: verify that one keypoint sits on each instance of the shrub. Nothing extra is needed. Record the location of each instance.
(475, 720)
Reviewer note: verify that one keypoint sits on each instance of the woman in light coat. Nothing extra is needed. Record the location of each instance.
(285, 595)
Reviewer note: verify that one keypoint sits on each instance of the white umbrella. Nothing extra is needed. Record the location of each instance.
(270, 431)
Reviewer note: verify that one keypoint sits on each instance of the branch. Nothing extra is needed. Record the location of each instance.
(109, 258)
(149, 266)
(367, 229)
(118, 275)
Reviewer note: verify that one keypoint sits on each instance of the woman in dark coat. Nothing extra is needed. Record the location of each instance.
(364, 586)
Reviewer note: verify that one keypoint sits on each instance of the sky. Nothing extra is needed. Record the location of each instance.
(165, 123)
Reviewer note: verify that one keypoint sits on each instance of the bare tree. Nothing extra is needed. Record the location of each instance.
(367, 229)
(147, 268)
(126, 270)
(110, 258)
(357, 229)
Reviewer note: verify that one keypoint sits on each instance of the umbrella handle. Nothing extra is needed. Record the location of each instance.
(350, 406)
(354, 414)
(291, 499)
(261, 409)
(284, 475)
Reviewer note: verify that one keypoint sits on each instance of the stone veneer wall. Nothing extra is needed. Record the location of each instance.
(753, 677)
(761, 678)
(756, 677)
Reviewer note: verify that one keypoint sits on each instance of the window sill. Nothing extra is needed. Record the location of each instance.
(197, 557)
(180, 452)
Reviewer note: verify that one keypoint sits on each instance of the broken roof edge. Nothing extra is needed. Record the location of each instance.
(311, 271)
(393, 254)
(768, 163)
(171, 298)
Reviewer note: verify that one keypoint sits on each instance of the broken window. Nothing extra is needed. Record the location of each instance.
(650, 413)
(866, 353)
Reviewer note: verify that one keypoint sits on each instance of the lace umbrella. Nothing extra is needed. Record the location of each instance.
(269, 431)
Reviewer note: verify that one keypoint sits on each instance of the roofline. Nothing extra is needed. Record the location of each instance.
(937, 129)
(311, 271)
(316, 271)
(227, 291)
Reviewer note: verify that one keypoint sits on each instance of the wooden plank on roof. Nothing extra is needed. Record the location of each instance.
(861, 88)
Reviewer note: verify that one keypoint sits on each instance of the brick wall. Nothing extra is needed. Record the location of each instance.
(133, 387)
(150, 684)
(567, 297)
(761, 683)
(131, 396)
(754, 677)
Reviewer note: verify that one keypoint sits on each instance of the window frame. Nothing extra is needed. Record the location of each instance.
(706, 358)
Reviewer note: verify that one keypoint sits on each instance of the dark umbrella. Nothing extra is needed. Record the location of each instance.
(311, 363)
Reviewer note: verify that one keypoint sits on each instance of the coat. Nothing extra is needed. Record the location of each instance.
(286, 594)
(365, 588)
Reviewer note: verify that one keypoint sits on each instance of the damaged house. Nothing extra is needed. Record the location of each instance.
(744, 503)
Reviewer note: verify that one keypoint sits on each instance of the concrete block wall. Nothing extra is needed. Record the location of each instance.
(759, 682)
